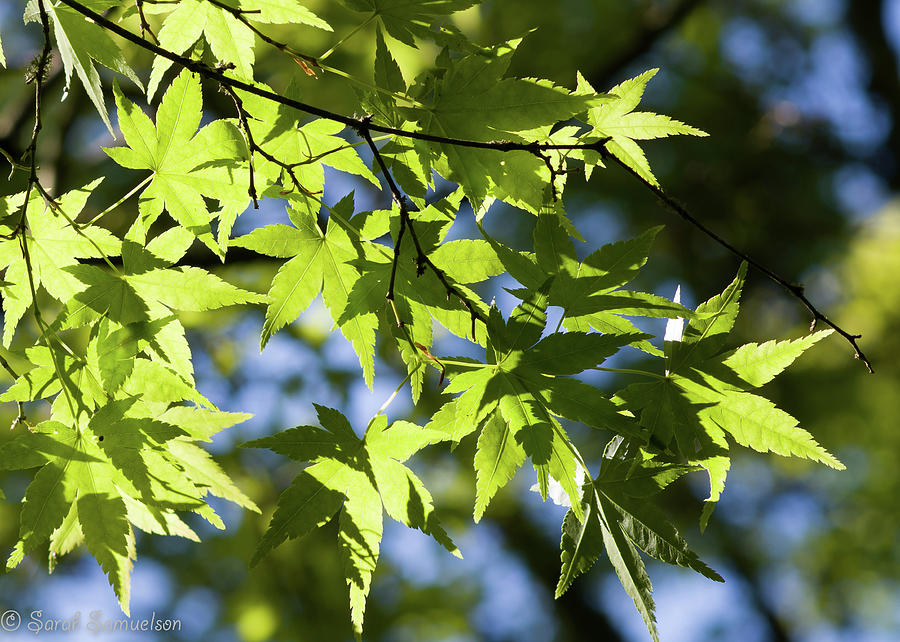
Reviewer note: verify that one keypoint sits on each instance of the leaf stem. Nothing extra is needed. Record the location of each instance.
(467, 364)
(642, 373)
(109, 209)
(398, 389)
(352, 33)
(362, 83)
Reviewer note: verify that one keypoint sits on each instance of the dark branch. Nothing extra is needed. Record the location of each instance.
(794, 289)
(20, 412)
(255, 147)
(145, 26)
(38, 76)
(422, 259)
(349, 121)
(248, 137)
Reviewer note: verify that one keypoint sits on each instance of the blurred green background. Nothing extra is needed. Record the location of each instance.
(802, 102)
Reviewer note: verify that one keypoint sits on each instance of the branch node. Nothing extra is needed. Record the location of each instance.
(145, 26)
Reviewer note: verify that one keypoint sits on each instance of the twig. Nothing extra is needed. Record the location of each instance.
(390, 292)
(8, 368)
(422, 259)
(795, 290)
(248, 136)
(20, 417)
(145, 26)
(254, 147)
(20, 412)
(13, 165)
(40, 74)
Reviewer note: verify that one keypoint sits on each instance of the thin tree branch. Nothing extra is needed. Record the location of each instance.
(349, 121)
(13, 165)
(145, 26)
(255, 147)
(20, 411)
(794, 289)
(40, 75)
(8, 368)
(248, 136)
(422, 259)
(365, 127)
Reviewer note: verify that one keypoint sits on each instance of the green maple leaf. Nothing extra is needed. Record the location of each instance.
(320, 262)
(54, 245)
(523, 388)
(388, 75)
(408, 160)
(618, 518)
(187, 164)
(111, 363)
(131, 312)
(113, 349)
(80, 43)
(618, 121)
(229, 39)
(407, 21)
(47, 378)
(472, 100)
(94, 481)
(590, 291)
(705, 395)
(139, 294)
(361, 478)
